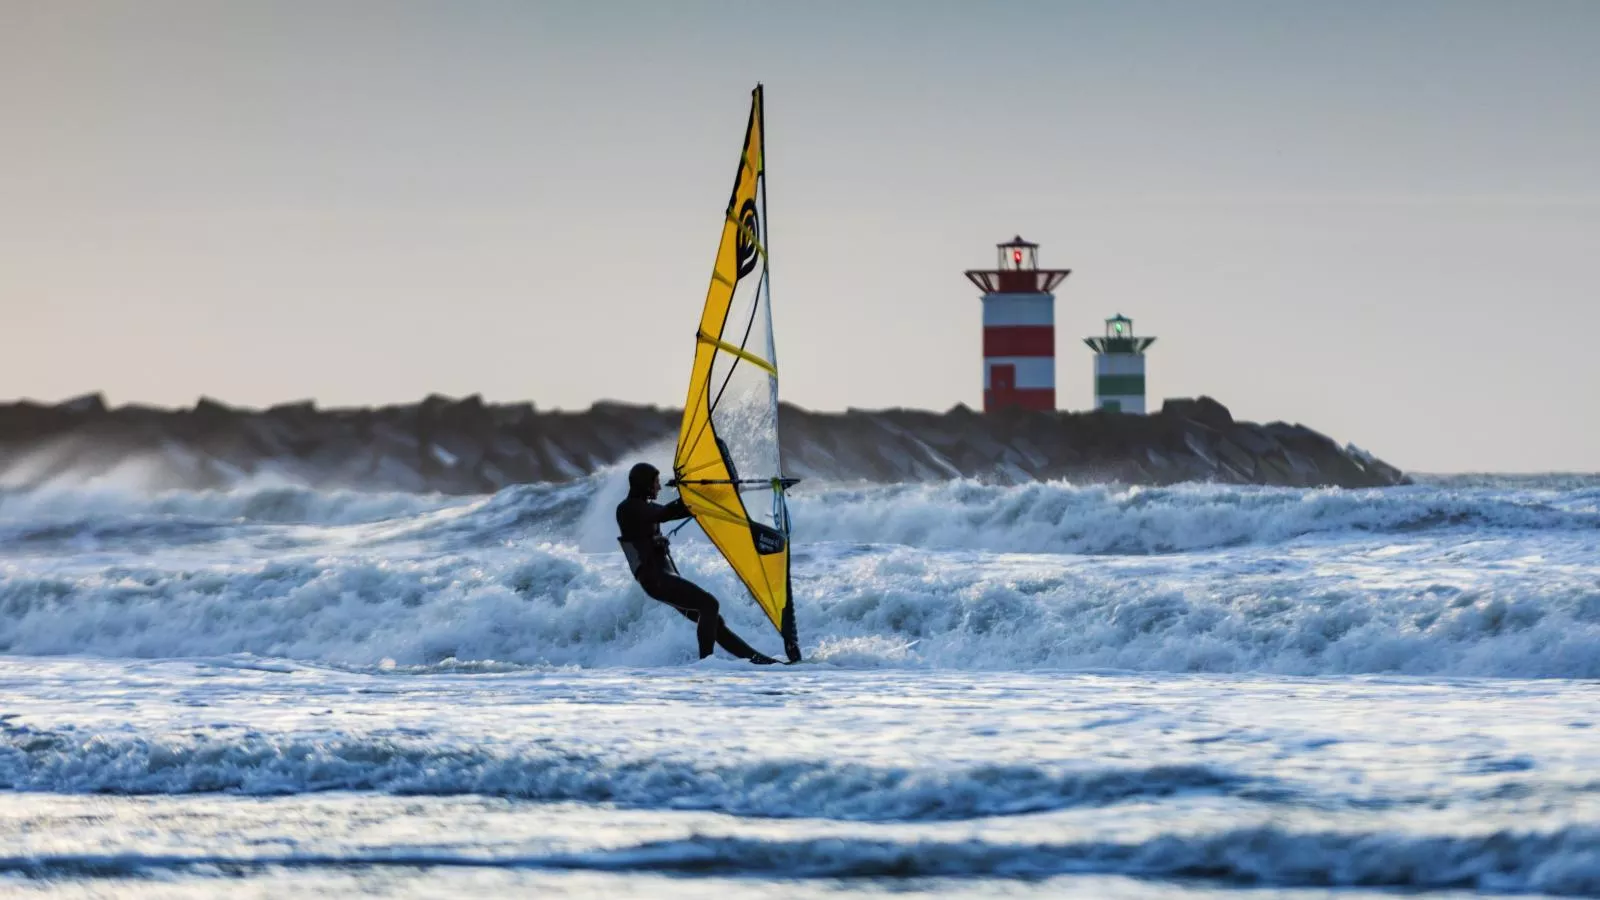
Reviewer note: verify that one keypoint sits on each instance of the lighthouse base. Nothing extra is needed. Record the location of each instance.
(1036, 399)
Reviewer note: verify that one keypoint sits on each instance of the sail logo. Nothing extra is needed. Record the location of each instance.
(768, 540)
(745, 249)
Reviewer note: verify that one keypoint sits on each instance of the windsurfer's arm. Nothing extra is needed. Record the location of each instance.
(670, 512)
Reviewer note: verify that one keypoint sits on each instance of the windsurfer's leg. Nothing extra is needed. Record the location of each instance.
(698, 606)
(728, 640)
(695, 604)
(731, 642)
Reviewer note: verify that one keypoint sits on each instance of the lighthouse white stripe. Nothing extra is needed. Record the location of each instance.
(1018, 309)
(1032, 371)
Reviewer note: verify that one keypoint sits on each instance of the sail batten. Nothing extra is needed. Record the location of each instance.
(748, 357)
(727, 467)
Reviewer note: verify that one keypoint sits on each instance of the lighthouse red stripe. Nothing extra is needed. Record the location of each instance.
(1019, 340)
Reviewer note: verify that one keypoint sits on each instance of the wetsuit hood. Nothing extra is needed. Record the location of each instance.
(641, 478)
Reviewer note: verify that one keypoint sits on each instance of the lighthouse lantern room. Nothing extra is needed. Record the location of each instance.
(1019, 335)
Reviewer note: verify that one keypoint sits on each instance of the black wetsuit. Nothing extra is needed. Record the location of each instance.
(639, 522)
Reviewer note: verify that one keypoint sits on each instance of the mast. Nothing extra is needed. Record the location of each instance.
(787, 627)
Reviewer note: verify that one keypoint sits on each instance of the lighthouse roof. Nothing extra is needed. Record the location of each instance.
(1018, 242)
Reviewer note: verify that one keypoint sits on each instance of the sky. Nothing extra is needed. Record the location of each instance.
(1379, 218)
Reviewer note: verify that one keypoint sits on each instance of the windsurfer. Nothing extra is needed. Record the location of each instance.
(639, 519)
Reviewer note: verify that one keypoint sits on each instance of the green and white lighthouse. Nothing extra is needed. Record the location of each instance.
(1119, 367)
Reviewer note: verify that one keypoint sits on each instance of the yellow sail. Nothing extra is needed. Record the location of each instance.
(727, 467)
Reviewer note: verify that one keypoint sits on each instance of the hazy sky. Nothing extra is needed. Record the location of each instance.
(1381, 219)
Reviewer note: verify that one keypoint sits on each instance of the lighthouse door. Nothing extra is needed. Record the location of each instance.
(1002, 384)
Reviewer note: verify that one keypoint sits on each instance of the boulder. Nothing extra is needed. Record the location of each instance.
(1203, 410)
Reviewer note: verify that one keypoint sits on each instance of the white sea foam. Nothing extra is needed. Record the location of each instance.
(1428, 580)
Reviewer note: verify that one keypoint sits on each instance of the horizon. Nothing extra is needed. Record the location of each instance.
(1373, 219)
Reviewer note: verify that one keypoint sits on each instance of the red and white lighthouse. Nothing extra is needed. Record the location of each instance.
(1019, 328)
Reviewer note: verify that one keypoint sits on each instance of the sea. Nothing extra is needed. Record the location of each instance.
(1018, 691)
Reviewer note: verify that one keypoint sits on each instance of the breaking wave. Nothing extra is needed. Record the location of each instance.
(1050, 517)
(1439, 578)
(1560, 862)
(70, 762)
(1057, 518)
